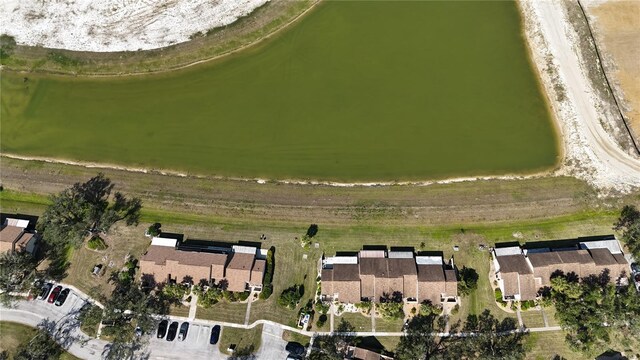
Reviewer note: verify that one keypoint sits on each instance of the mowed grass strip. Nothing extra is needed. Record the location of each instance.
(14, 334)
(356, 91)
(242, 338)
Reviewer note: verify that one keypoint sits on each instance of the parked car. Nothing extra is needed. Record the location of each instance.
(184, 328)
(54, 294)
(162, 328)
(139, 331)
(636, 279)
(45, 291)
(173, 329)
(62, 297)
(294, 348)
(215, 335)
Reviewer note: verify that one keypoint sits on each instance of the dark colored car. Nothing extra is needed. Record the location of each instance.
(184, 328)
(295, 348)
(45, 291)
(162, 328)
(215, 335)
(173, 329)
(54, 294)
(62, 297)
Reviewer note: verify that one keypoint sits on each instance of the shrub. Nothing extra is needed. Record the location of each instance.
(455, 309)
(174, 292)
(322, 319)
(322, 308)
(428, 308)
(154, 229)
(89, 317)
(208, 298)
(526, 305)
(364, 306)
(391, 310)
(267, 287)
(267, 290)
(96, 243)
(242, 296)
(291, 296)
(467, 281)
(62, 59)
(229, 296)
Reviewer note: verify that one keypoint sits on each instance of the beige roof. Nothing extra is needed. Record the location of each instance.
(528, 290)
(364, 354)
(241, 261)
(160, 254)
(257, 272)
(511, 286)
(513, 263)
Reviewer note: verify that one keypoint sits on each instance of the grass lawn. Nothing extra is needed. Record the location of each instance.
(243, 338)
(179, 310)
(546, 345)
(224, 311)
(390, 325)
(359, 321)
(13, 334)
(293, 336)
(532, 318)
(443, 89)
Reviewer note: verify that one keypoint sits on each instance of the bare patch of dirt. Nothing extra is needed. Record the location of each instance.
(617, 29)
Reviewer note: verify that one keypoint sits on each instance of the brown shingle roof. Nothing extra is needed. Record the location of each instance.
(575, 256)
(602, 257)
(513, 263)
(10, 233)
(620, 259)
(374, 266)
(544, 259)
(345, 272)
(431, 273)
(511, 286)
(401, 267)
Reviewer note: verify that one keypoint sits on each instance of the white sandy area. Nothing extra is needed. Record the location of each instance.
(591, 153)
(115, 25)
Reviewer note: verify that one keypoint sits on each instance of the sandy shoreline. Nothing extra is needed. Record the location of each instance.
(93, 165)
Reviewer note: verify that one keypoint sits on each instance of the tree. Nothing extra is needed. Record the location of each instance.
(291, 296)
(267, 287)
(590, 309)
(467, 281)
(489, 338)
(334, 346)
(16, 273)
(312, 230)
(129, 307)
(84, 208)
(482, 337)
(629, 224)
(89, 317)
(40, 347)
(420, 341)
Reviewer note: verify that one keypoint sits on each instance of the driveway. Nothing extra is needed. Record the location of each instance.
(272, 346)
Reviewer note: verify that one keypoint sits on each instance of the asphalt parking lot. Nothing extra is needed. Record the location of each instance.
(195, 346)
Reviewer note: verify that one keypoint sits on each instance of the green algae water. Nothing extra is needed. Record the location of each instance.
(355, 91)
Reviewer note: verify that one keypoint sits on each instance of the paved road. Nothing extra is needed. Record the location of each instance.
(60, 321)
